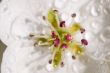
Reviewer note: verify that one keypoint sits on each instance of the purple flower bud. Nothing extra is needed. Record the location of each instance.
(62, 24)
(56, 42)
(64, 46)
(84, 42)
(53, 34)
(68, 37)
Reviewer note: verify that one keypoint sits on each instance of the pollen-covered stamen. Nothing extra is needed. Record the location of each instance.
(56, 42)
(68, 37)
(62, 24)
(63, 46)
(84, 42)
(82, 30)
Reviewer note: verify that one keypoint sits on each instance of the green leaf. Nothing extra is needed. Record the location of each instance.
(57, 59)
(52, 18)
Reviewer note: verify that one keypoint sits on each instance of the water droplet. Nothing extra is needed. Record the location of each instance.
(40, 67)
(89, 36)
(96, 27)
(105, 36)
(94, 11)
(49, 67)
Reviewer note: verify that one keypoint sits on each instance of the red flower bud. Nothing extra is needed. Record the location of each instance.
(56, 42)
(68, 37)
(64, 46)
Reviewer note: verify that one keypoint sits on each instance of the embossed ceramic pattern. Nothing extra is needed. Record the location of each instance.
(19, 18)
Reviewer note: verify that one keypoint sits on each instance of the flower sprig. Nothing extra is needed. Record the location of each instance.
(60, 38)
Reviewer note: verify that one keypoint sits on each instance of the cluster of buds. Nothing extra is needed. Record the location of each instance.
(57, 41)
(61, 38)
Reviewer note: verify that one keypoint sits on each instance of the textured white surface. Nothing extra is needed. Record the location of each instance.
(18, 18)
